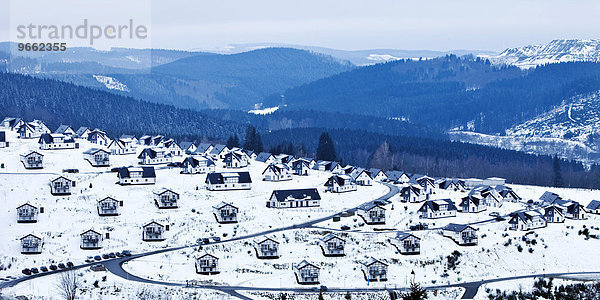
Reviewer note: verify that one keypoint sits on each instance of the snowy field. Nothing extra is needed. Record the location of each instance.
(556, 248)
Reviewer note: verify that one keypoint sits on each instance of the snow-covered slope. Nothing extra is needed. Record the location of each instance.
(111, 83)
(554, 52)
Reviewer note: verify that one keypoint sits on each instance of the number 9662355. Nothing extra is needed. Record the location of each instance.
(48, 47)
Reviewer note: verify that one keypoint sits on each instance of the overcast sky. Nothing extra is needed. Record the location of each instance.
(347, 24)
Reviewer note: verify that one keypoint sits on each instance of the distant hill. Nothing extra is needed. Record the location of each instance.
(356, 57)
(58, 103)
(556, 51)
(447, 92)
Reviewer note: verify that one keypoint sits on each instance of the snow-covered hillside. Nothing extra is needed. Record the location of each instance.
(554, 52)
(111, 83)
(66, 217)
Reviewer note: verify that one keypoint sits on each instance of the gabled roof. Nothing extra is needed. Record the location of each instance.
(62, 129)
(32, 235)
(202, 147)
(304, 264)
(411, 188)
(223, 204)
(94, 150)
(549, 197)
(331, 236)
(457, 227)
(375, 172)
(32, 152)
(231, 156)
(26, 204)
(108, 199)
(194, 162)
(525, 216)
(372, 260)
(403, 235)
(276, 168)
(286, 195)
(356, 172)
(91, 230)
(59, 177)
(147, 172)
(164, 190)
(48, 138)
(186, 145)
(471, 198)
(434, 205)
(300, 162)
(217, 178)
(266, 239)
(153, 223)
(209, 255)
(370, 205)
(340, 180)
(264, 156)
(217, 149)
(595, 204)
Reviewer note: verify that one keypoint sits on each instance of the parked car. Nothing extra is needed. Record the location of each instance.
(89, 259)
(119, 254)
(43, 269)
(98, 267)
(34, 270)
(112, 255)
(70, 170)
(419, 226)
(494, 214)
(70, 264)
(97, 257)
(61, 266)
(323, 288)
(105, 256)
(345, 227)
(53, 267)
(216, 238)
(205, 240)
(126, 252)
(26, 271)
(114, 170)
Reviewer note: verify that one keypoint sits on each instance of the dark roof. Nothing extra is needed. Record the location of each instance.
(108, 199)
(457, 227)
(147, 152)
(32, 236)
(94, 150)
(331, 236)
(32, 152)
(80, 131)
(340, 179)
(48, 138)
(595, 204)
(26, 204)
(193, 162)
(62, 129)
(2, 136)
(435, 204)
(217, 149)
(471, 198)
(223, 204)
(153, 222)
(230, 156)
(300, 162)
(267, 239)
(402, 235)
(59, 177)
(91, 230)
(217, 178)
(185, 145)
(303, 264)
(276, 168)
(263, 156)
(414, 188)
(549, 197)
(283, 195)
(147, 172)
(202, 147)
(372, 260)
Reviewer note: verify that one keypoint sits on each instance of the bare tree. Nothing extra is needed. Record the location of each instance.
(67, 285)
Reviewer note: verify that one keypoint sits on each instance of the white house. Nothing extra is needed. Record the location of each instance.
(153, 232)
(374, 270)
(527, 220)
(52, 141)
(61, 186)
(97, 157)
(91, 240)
(294, 198)
(197, 165)
(463, 235)
(361, 177)
(332, 245)
(406, 243)
(136, 175)
(306, 273)
(378, 174)
(277, 172)
(207, 264)
(27, 213)
(99, 138)
(165, 198)
(340, 184)
(32, 130)
(31, 244)
(235, 160)
(65, 130)
(301, 167)
(372, 213)
(228, 181)
(108, 207)
(12, 124)
(412, 193)
(173, 148)
(82, 133)
(155, 156)
(554, 214)
(472, 204)
(435, 209)
(32, 160)
(225, 213)
(122, 146)
(266, 248)
(593, 207)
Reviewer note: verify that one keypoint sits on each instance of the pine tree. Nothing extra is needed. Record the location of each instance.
(250, 140)
(416, 292)
(348, 297)
(326, 148)
(558, 179)
(233, 141)
(258, 144)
